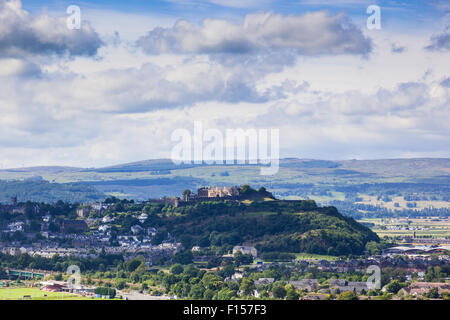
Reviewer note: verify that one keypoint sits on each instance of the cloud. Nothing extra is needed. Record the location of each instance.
(240, 3)
(315, 33)
(11, 67)
(446, 83)
(395, 48)
(22, 34)
(440, 42)
(443, 5)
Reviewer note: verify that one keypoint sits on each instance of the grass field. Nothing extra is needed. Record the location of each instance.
(432, 226)
(310, 256)
(36, 294)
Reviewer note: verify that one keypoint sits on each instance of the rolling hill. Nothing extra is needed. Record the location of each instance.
(347, 184)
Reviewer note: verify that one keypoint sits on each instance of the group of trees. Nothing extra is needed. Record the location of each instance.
(60, 264)
(39, 190)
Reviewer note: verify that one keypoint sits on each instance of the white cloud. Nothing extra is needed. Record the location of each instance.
(22, 34)
(124, 104)
(312, 33)
(441, 41)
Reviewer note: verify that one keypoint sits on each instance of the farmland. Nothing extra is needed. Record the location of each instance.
(431, 227)
(37, 294)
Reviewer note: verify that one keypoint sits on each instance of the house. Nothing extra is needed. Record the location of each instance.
(305, 284)
(104, 228)
(257, 293)
(237, 276)
(246, 250)
(143, 217)
(100, 207)
(136, 229)
(16, 226)
(107, 219)
(342, 285)
(263, 281)
(419, 288)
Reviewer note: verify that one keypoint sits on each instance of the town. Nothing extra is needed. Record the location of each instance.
(142, 259)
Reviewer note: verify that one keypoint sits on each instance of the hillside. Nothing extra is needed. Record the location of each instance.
(43, 191)
(271, 226)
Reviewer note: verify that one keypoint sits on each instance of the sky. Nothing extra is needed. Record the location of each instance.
(116, 89)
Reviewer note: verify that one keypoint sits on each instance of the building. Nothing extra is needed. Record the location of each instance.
(305, 284)
(55, 286)
(74, 226)
(246, 250)
(218, 192)
(342, 285)
(419, 288)
(263, 281)
(136, 229)
(415, 250)
(83, 212)
(206, 193)
(16, 226)
(143, 217)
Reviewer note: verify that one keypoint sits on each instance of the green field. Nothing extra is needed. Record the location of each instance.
(36, 294)
(434, 227)
(310, 256)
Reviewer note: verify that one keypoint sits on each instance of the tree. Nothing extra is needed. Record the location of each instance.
(104, 291)
(186, 194)
(197, 292)
(433, 293)
(240, 258)
(120, 284)
(185, 257)
(177, 269)
(394, 286)
(208, 295)
(246, 189)
(247, 286)
(226, 294)
(291, 293)
(133, 264)
(279, 292)
(262, 190)
(373, 248)
(348, 295)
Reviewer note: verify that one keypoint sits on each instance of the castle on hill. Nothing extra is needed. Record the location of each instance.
(212, 192)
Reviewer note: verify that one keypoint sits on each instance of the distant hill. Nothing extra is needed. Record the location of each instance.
(344, 183)
(44, 191)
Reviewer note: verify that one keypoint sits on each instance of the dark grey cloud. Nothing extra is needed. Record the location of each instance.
(440, 42)
(22, 34)
(315, 33)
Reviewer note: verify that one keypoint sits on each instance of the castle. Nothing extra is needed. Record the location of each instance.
(213, 193)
